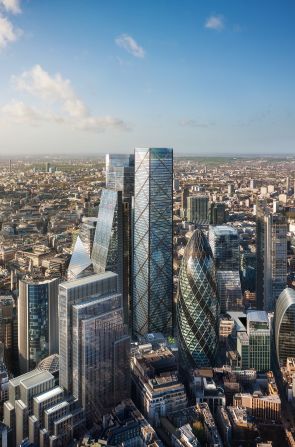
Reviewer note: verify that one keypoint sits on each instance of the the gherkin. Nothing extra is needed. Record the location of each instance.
(197, 304)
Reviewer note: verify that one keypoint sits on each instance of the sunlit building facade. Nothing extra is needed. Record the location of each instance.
(153, 241)
(285, 326)
(107, 252)
(120, 173)
(197, 209)
(94, 343)
(197, 304)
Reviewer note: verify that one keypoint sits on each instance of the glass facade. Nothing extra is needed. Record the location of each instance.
(153, 241)
(224, 242)
(197, 209)
(229, 290)
(94, 343)
(107, 252)
(258, 330)
(197, 304)
(285, 326)
(120, 177)
(271, 242)
(80, 263)
(37, 322)
(120, 173)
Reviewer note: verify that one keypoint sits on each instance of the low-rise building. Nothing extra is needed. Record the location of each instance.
(156, 384)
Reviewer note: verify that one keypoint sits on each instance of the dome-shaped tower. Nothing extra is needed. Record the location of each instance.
(197, 304)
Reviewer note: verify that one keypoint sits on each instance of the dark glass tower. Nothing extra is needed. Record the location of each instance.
(197, 305)
(37, 321)
(153, 241)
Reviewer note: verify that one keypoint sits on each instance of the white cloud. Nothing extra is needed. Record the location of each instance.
(129, 44)
(57, 93)
(8, 33)
(19, 112)
(53, 88)
(12, 6)
(215, 22)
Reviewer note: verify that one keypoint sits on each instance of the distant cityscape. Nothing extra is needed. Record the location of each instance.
(147, 300)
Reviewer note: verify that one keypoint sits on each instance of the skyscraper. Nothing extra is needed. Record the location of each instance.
(197, 209)
(224, 242)
(217, 213)
(285, 326)
(37, 321)
(153, 241)
(120, 173)
(197, 304)
(258, 330)
(94, 345)
(120, 177)
(107, 251)
(271, 252)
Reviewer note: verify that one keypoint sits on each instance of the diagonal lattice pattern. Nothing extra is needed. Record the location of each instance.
(197, 304)
(153, 232)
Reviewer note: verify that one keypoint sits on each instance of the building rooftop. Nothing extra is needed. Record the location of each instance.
(48, 394)
(222, 230)
(87, 279)
(40, 377)
(257, 316)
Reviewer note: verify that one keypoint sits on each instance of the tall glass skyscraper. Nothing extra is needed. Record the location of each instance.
(94, 345)
(107, 251)
(120, 173)
(271, 252)
(197, 304)
(224, 242)
(285, 326)
(37, 321)
(153, 241)
(120, 177)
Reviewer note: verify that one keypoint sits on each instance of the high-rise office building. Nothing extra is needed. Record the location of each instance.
(37, 321)
(197, 209)
(285, 326)
(107, 251)
(120, 173)
(258, 330)
(94, 345)
(217, 213)
(224, 243)
(6, 322)
(153, 241)
(197, 304)
(253, 338)
(120, 177)
(271, 252)
(184, 197)
(229, 290)
(230, 189)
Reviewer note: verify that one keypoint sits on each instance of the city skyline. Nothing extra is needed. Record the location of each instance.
(217, 78)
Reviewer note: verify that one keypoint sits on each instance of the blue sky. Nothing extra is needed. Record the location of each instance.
(202, 76)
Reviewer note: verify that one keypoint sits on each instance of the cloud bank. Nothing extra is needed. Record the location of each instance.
(62, 105)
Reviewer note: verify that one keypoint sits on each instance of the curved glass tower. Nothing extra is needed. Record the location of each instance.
(197, 304)
(285, 326)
